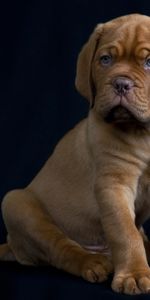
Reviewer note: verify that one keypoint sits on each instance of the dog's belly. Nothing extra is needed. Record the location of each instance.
(79, 220)
(102, 248)
(89, 235)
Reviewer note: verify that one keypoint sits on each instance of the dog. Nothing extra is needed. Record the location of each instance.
(84, 210)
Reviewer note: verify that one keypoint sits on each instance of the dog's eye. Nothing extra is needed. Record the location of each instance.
(106, 60)
(147, 63)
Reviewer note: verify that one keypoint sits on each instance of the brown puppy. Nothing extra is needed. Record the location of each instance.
(93, 193)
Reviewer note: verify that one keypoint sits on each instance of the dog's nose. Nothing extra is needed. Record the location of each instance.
(122, 85)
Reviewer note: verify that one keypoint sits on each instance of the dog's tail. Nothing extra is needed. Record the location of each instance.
(6, 253)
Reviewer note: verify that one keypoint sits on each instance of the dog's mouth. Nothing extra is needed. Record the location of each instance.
(125, 120)
(119, 114)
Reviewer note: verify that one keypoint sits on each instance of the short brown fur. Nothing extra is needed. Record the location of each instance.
(93, 192)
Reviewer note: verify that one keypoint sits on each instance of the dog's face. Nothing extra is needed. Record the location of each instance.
(114, 69)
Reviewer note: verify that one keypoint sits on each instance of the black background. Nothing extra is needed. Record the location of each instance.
(39, 44)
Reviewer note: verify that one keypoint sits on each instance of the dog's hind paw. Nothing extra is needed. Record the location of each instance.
(96, 267)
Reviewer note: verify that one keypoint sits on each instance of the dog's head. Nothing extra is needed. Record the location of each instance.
(113, 69)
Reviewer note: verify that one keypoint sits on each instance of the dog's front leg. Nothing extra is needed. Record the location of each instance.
(116, 202)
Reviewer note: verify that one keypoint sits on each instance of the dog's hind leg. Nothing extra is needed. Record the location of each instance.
(35, 239)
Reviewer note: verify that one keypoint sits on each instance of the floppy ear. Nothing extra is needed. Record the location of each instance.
(83, 81)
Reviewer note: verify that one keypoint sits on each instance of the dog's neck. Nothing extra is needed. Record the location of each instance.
(105, 136)
(135, 128)
(124, 122)
(132, 132)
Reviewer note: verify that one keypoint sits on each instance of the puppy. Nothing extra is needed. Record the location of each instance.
(84, 211)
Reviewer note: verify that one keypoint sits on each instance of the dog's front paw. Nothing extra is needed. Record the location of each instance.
(133, 283)
(96, 268)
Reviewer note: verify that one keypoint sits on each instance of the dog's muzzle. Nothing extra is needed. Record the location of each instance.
(120, 112)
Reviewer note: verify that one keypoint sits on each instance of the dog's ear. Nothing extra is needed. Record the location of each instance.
(84, 82)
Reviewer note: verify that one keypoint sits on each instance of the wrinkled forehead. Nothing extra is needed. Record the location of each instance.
(128, 37)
